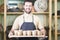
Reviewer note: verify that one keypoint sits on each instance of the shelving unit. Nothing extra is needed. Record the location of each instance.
(56, 19)
(36, 13)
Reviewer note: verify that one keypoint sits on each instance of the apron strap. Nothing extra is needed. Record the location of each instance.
(33, 21)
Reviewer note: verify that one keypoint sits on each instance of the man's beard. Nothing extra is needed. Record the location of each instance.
(28, 12)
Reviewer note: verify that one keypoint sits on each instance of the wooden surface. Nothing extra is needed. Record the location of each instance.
(58, 16)
(58, 33)
(28, 36)
(2, 7)
(17, 13)
(55, 8)
(50, 18)
(4, 19)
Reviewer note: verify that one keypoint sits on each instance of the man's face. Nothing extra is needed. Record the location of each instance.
(28, 7)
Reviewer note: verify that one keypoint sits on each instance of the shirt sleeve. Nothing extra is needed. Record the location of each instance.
(40, 25)
(15, 24)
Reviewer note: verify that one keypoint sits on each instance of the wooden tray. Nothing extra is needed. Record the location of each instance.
(13, 36)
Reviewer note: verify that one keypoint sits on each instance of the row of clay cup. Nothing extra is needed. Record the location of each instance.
(27, 33)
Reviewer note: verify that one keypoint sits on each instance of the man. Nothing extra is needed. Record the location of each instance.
(27, 21)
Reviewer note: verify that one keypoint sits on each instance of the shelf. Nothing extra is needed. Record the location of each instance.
(42, 13)
(54, 0)
(36, 13)
(12, 13)
(57, 16)
(17, 13)
(1, 12)
(58, 33)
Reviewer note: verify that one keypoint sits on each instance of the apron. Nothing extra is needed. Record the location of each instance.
(28, 26)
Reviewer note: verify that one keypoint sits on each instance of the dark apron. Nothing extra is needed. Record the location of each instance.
(28, 26)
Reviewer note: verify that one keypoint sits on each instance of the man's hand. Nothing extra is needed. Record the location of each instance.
(11, 33)
(43, 32)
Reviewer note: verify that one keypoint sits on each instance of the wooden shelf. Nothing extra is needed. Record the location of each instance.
(14, 13)
(17, 13)
(58, 33)
(54, 0)
(1, 12)
(36, 13)
(42, 13)
(57, 16)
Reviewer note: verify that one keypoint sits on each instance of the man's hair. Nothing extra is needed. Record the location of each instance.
(28, 1)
